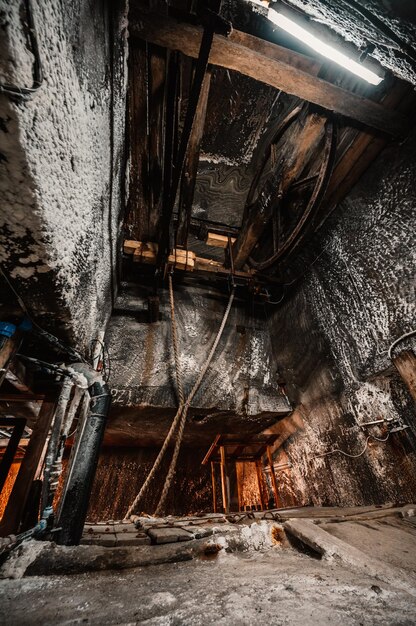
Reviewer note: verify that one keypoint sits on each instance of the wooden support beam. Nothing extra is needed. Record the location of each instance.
(190, 169)
(364, 147)
(170, 154)
(214, 487)
(137, 210)
(157, 64)
(22, 397)
(273, 477)
(18, 497)
(260, 482)
(181, 259)
(224, 481)
(272, 65)
(218, 241)
(405, 363)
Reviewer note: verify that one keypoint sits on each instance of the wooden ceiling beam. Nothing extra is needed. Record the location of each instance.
(270, 64)
(190, 169)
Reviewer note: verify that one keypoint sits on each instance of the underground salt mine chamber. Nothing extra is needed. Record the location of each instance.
(207, 312)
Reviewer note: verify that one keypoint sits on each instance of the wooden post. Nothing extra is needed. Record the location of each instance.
(273, 477)
(260, 483)
(238, 488)
(224, 486)
(405, 364)
(214, 487)
(18, 497)
(191, 165)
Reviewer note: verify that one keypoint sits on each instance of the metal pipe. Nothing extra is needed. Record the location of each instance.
(77, 491)
(54, 439)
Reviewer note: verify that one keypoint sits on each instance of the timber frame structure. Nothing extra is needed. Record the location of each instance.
(317, 149)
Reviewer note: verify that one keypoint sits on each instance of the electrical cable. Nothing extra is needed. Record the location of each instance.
(352, 456)
(277, 301)
(397, 341)
(52, 368)
(51, 339)
(105, 357)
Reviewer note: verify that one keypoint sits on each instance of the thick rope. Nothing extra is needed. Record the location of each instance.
(178, 372)
(176, 419)
(182, 422)
(182, 410)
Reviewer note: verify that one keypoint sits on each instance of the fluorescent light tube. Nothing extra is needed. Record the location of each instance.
(323, 48)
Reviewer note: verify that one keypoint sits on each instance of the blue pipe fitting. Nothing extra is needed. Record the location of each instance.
(7, 329)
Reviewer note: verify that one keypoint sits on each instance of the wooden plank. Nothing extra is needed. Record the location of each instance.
(224, 481)
(156, 120)
(4, 442)
(363, 149)
(260, 482)
(130, 246)
(18, 497)
(21, 397)
(405, 363)
(273, 478)
(181, 263)
(146, 253)
(218, 241)
(172, 115)
(211, 450)
(274, 66)
(214, 487)
(137, 210)
(190, 169)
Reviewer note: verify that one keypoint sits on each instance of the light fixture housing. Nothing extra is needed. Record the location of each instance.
(323, 48)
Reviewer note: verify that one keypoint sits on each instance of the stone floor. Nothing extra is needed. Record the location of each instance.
(323, 566)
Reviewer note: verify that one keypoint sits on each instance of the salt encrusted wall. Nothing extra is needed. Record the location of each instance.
(239, 391)
(61, 160)
(331, 339)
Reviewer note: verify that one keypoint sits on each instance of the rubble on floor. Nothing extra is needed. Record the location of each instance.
(146, 541)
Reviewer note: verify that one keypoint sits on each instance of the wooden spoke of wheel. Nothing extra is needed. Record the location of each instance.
(321, 183)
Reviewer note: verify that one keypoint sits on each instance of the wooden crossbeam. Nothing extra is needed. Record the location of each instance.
(270, 64)
(180, 259)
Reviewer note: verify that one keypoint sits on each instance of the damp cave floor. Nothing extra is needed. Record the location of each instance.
(280, 586)
(277, 585)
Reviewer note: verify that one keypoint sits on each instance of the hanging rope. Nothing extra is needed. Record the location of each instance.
(182, 422)
(180, 418)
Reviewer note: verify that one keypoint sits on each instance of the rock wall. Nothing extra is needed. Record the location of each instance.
(239, 392)
(331, 338)
(62, 160)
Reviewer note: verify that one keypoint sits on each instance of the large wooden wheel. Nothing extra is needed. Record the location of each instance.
(293, 211)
